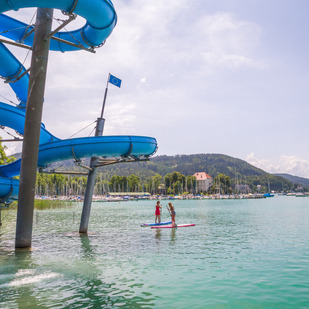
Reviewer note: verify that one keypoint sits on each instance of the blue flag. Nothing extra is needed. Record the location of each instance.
(114, 80)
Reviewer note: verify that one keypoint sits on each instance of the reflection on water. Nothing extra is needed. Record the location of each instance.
(240, 254)
(25, 283)
(173, 234)
(158, 234)
(88, 252)
(18, 275)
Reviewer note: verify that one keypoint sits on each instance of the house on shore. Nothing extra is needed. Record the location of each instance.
(203, 181)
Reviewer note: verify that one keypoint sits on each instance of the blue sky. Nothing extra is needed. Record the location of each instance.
(201, 76)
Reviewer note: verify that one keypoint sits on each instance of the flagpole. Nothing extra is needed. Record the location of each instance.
(105, 95)
(84, 222)
(83, 228)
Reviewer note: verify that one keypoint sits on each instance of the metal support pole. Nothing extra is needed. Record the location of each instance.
(15, 44)
(32, 128)
(105, 95)
(83, 228)
(90, 184)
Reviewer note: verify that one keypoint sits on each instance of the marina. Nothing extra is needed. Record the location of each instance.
(137, 197)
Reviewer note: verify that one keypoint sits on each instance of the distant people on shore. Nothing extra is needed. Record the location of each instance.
(172, 213)
(158, 212)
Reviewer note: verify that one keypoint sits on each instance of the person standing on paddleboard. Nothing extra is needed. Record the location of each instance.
(172, 213)
(158, 212)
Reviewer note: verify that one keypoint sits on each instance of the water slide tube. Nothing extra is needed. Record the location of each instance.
(101, 18)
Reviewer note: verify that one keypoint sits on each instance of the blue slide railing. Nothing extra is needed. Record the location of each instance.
(101, 19)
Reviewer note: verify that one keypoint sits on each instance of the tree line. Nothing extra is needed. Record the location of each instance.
(63, 185)
(173, 183)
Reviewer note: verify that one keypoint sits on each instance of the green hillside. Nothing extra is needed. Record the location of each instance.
(212, 164)
(295, 179)
(240, 171)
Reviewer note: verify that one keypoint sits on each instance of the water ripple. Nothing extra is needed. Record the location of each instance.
(240, 254)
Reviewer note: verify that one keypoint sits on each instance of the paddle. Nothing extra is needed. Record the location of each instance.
(169, 211)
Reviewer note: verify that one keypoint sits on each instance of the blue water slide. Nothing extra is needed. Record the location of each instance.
(10, 69)
(14, 117)
(8, 190)
(100, 17)
(78, 148)
(100, 20)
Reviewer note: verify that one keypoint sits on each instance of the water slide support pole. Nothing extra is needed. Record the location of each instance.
(33, 120)
(83, 228)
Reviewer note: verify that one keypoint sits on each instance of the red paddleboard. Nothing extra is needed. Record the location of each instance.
(171, 227)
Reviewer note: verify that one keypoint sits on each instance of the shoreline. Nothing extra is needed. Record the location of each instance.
(124, 198)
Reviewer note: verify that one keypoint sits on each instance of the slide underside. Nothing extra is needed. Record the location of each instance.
(101, 19)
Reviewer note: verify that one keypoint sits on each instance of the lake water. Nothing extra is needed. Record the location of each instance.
(240, 254)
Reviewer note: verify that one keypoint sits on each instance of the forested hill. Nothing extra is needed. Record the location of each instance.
(212, 164)
(295, 179)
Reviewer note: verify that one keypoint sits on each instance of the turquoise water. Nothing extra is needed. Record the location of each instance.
(240, 254)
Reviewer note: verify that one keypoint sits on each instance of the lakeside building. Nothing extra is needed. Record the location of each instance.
(243, 189)
(203, 181)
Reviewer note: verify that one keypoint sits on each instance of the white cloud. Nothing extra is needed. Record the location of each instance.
(121, 118)
(285, 164)
(227, 41)
(13, 148)
(10, 147)
(156, 38)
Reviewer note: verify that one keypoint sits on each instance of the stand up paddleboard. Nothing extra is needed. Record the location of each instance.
(172, 227)
(156, 224)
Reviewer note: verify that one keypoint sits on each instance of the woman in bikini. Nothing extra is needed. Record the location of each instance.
(173, 213)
